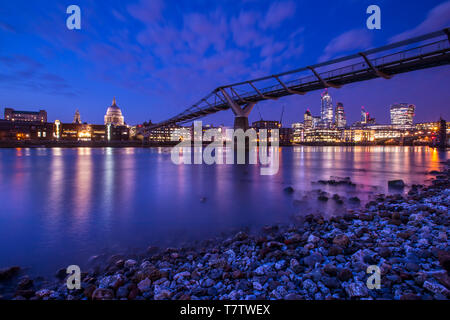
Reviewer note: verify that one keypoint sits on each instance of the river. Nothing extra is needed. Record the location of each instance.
(61, 206)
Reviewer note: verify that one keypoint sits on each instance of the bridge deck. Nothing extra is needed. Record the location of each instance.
(361, 67)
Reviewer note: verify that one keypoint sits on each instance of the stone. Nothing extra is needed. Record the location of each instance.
(309, 286)
(341, 240)
(130, 263)
(25, 283)
(313, 239)
(312, 259)
(335, 250)
(396, 184)
(384, 252)
(102, 294)
(8, 273)
(345, 274)
(436, 288)
(289, 190)
(144, 285)
(330, 269)
(331, 282)
(181, 275)
(356, 290)
(240, 236)
(293, 296)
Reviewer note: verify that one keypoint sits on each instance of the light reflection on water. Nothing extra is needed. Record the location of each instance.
(60, 206)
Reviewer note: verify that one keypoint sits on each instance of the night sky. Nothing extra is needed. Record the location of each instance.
(158, 57)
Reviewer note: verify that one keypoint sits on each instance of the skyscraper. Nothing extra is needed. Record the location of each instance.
(326, 109)
(307, 120)
(340, 120)
(402, 115)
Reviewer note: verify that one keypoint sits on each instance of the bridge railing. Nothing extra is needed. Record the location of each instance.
(262, 88)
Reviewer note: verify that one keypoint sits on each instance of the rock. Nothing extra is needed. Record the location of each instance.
(289, 190)
(293, 296)
(25, 283)
(330, 269)
(43, 293)
(436, 288)
(122, 292)
(345, 274)
(181, 275)
(280, 264)
(237, 274)
(413, 267)
(331, 282)
(322, 198)
(396, 184)
(384, 252)
(144, 285)
(356, 290)
(130, 263)
(8, 273)
(444, 259)
(61, 274)
(341, 240)
(309, 286)
(443, 278)
(102, 294)
(257, 286)
(335, 250)
(163, 295)
(313, 239)
(312, 259)
(410, 296)
(240, 236)
(208, 283)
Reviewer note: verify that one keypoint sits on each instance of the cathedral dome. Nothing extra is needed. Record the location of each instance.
(114, 115)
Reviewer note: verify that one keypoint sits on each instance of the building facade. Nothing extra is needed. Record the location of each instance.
(326, 110)
(340, 121)
(114, 115)
(402, 115)
(27, 116)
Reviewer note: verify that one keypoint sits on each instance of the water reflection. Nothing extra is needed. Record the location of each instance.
(84, 200)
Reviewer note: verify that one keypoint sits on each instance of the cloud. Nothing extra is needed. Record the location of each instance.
(147, 11)
(6, 27)
(437, 18)
(351, 40)
(277, 13)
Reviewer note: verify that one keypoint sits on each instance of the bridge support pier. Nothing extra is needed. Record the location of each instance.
(241, 114)
(241, 123)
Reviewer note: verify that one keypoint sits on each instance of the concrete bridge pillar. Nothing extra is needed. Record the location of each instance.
(240, 113)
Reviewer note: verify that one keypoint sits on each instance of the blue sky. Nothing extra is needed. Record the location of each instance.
(158, 57)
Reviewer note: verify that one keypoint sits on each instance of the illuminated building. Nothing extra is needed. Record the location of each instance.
(298, 132)
(114, 115)
(323, 136)
(316, 121)
(308, 120)
(164, 134)
(27, 116)
(340, 121)
(263, 124)
(25, 130)
(326, 110)
(358, 135)
(77, 117)
(402, 115)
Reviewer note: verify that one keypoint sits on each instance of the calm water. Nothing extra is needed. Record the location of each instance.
(61, 206)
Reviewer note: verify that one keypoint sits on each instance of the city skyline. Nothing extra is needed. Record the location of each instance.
(137, 60)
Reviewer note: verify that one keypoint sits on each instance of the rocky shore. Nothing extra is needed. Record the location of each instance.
(406, 236)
